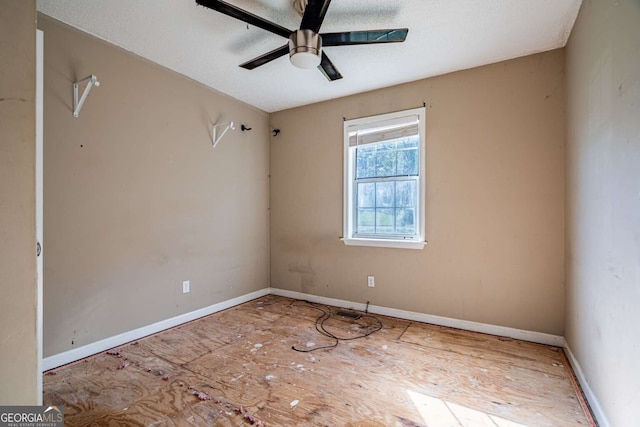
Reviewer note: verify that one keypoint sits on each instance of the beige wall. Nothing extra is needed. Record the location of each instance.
(18, 355)
(603, 204)
(137, 200)
(494, 205)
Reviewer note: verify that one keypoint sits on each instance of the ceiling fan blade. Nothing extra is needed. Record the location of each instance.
(249, 18)
(267, 57)
(364, 37)
(328, 69)
(314, 15)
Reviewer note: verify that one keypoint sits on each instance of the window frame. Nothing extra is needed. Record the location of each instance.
(349, 192)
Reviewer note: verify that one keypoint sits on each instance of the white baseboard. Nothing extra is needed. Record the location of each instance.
(60, 359)
(503, 331)
(596, 408)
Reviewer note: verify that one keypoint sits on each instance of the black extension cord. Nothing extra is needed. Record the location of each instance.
(326, 315)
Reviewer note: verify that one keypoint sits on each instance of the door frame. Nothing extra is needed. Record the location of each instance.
(39, 202)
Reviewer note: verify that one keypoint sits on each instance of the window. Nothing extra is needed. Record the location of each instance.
(384, 180)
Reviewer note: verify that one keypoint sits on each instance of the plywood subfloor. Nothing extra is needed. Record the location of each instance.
(237, 367)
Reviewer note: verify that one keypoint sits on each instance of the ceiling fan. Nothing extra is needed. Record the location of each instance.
(305, 44)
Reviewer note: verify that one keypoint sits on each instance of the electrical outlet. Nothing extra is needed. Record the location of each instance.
(186, 287)
(371, 281)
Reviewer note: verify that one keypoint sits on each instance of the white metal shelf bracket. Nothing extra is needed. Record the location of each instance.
(90, 82)
(216, 137)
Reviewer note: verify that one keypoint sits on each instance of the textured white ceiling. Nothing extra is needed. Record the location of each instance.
(444, 36)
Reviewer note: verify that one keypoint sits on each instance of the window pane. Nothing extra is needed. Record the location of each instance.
(405, 220)
(366, 195)
(386, 159)
(408, 161)
(385, 221)
(385, 196)
(366, 162)
(366, 221)
(406, 193)
(408, 142)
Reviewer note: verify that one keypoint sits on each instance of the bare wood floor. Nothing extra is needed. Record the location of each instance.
(237, 367)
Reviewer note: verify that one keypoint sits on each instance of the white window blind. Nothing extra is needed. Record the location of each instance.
(384, 131)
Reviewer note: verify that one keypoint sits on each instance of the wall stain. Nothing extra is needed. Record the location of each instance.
(552, 93)
(13, 99)
(307, 275)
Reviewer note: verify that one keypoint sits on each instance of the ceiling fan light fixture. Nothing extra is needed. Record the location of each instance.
(305, 49)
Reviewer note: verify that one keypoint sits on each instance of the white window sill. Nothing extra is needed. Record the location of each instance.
(384, 243)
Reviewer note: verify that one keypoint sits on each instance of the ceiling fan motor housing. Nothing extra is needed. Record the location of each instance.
(305, 48)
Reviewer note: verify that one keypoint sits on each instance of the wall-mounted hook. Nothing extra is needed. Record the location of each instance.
(78, 103)
(275, 132)
(244, 128)
(216, 137)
